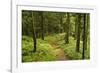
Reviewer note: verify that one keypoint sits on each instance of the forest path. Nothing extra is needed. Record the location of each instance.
(59, 51)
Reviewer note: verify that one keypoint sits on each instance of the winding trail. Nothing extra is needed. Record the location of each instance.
(59, 51)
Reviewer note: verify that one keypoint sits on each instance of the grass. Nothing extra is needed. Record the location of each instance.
(46, 52)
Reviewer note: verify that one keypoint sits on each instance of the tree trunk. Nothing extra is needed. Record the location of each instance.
(87, 25)
(88, 29)
(76, 26)
(42, 26)
(34, 34)
(61, 22)
(78, 33)
(67, 29)
(84, 37)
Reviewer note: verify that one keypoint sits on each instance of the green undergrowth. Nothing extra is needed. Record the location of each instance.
(70, 49)
(46, 52)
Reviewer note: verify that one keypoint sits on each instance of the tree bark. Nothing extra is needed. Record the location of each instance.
(42, 25)
(34, 34)
(87, 25)
(75, 27)
(67, 29)
(78, 33)
(84, 37)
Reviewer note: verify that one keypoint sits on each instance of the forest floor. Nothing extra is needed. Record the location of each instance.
(60, 52)
(52, 48)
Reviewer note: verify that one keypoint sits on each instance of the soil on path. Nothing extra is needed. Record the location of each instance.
(59, 52)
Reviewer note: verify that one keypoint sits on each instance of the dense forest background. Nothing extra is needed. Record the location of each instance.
(55, 36)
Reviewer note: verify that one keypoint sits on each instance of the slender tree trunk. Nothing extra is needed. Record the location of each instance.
(67, 29)
(88, 29)
(34, 34)
(42, 26)
(78, 33)
(70, 26)
(76, 26)
(87, 25)
(84, 37)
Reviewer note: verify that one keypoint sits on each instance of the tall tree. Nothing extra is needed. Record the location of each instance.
(87, 25)
(34, 33)
(84, 37)
(42, 24)
(78, 32)
(67, 29)
(76, 25)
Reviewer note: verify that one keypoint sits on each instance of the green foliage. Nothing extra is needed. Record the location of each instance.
(70, 49)
(44, 52)
(52, 27)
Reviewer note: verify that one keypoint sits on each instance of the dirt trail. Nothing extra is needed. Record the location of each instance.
(59, 52)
